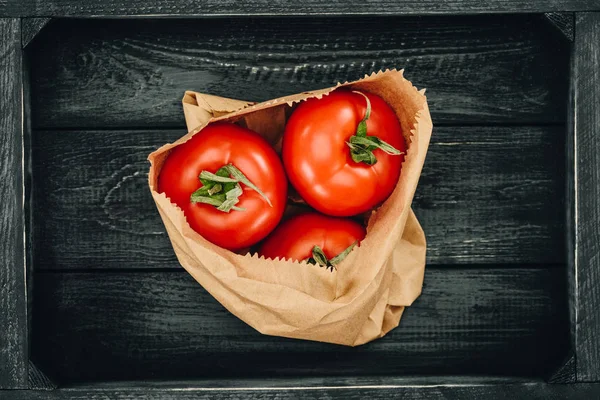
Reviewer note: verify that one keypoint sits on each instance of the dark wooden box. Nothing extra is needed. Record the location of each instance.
(93, 303)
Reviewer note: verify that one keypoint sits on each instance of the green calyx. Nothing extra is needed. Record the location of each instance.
(319, 257)
(223, 190)
(362, 146)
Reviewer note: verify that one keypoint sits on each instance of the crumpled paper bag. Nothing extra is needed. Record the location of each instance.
(365, 296)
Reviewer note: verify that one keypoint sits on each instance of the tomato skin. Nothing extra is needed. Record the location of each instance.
(295, 238)
(318, 161)
(217, 145)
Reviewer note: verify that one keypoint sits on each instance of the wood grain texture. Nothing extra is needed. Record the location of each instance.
(13, 295)
(132, 73)
(27, 187)
(587, 178)
(486, 195)
(111, 8)
(274, 382)
(570, 206)
(30, 28)
(163, 325)
(534, 391)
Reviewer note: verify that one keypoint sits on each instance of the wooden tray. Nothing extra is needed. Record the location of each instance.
(93, 302)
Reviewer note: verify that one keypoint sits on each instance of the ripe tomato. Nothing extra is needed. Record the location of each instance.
(337, 167)
(202, 166)
(297, 237)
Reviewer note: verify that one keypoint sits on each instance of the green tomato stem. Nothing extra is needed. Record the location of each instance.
(361, 145)
(319, 257)
(223, 190)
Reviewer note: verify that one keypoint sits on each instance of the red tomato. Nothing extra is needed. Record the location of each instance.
(216, 146)
(318, 159)
(295, 238)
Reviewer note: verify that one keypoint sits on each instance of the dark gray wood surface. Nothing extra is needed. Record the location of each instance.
(163, 325)
(570, 205)
(13, 298)
(535, 391)
(27, 187)
(107, 8)
(586, 77)
(275, 382)
(487, 195)
(477, 70)
(109, 300)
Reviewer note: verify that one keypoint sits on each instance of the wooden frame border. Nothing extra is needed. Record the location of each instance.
(428, 391)
(583, 215)
(584, 177)
(216, 8)
(14, 357)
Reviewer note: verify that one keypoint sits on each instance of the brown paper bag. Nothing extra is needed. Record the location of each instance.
(364, 298)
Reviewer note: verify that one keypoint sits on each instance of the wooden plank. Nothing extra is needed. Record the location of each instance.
(587, 180)
(163, 325)
(275, 382)
(487, 195)
(493, 195)
(508, 69)
(112, 8)
(570, 206)
(27, 204)
(539, 391)
(13, 295)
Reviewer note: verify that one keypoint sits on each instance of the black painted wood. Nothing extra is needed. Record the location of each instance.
(587, 179)
(163, 325)
(31, 27)
(486, 69)
(527, 391)
(570, 206)
(275, 382)
(13, 295)
(487, 195)
(126, 72)
(108, 8)
(535, 391)
(27, 187)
